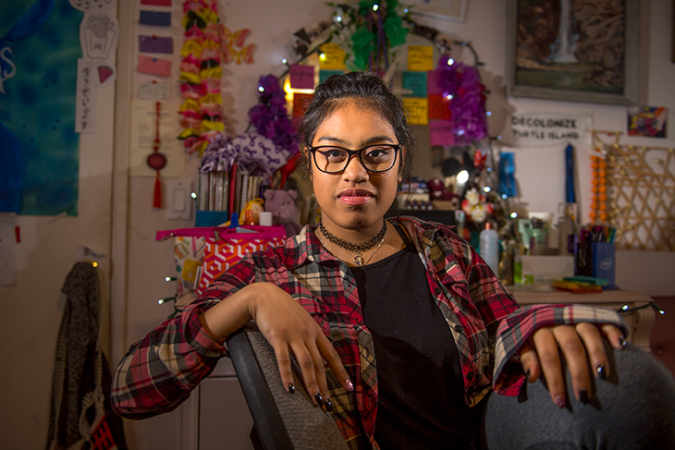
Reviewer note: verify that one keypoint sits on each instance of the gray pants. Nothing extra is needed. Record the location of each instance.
(633, 409)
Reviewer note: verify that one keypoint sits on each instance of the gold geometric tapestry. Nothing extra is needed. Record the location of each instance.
(641, 193)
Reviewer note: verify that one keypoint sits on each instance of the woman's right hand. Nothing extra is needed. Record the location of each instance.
(291, 330)
(288, 328)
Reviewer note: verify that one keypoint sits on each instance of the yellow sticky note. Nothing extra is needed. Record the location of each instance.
(418, 110)
(420, 58)
(332, 57)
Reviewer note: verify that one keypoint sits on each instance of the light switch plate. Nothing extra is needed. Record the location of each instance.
(179, 201)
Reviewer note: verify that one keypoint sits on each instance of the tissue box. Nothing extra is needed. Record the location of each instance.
(535, 269)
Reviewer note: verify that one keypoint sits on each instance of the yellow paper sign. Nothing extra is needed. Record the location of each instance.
(418, 110)
(331, 57)
(420, 58)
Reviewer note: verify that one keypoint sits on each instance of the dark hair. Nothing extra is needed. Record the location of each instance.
(368, 91)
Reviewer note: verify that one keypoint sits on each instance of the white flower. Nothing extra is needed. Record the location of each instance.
(473, 196)
(478, 213)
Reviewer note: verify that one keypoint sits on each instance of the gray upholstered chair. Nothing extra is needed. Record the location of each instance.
(282, 421)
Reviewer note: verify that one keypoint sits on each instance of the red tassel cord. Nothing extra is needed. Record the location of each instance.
(157, 161)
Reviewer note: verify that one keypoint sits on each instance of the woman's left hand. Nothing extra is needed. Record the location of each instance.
(581, 346)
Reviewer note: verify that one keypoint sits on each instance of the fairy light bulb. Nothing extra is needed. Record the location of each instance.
(449, 96)
(376, 7)
(338, 19)
(463, 176)
(261, 89)
(284, 61)
(513, 215)
(322, 56)
(451, 61)
(194, 195)
(488, 113)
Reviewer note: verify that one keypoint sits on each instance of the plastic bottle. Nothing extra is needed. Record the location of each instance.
(489, 247)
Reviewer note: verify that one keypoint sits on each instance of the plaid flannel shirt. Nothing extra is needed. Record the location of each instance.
(159, 371)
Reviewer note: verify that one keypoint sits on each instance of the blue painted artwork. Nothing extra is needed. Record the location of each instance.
(39, 149)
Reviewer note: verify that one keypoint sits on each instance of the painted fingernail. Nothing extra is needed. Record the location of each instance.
(291, 388)
(350, 386)
(319, 399)
(602, 373)
(329, 405)
(583, 396)
(560, 401)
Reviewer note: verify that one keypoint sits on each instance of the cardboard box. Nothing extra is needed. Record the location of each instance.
(531, 269)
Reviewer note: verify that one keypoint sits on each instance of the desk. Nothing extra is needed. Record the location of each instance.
(639, 321)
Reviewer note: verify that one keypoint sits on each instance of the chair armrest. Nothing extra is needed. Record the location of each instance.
(283, 420)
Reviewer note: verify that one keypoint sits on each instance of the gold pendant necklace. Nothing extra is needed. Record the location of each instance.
(358, 259)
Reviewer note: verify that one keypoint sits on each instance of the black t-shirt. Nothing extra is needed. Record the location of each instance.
(420, 386)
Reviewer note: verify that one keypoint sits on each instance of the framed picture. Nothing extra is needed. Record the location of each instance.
(454, 10)
(583, 51)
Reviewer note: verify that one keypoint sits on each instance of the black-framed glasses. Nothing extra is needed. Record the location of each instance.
(375, 158)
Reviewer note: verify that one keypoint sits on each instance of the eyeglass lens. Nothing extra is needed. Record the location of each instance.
(378, 158)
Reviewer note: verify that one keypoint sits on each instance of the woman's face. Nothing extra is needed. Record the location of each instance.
(355, 199)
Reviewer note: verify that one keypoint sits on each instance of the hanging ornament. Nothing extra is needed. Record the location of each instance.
(157, 161)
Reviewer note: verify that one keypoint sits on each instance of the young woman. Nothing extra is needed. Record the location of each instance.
(398, 326)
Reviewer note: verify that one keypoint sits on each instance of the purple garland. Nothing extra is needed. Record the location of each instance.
(468, 100)
(270, 117)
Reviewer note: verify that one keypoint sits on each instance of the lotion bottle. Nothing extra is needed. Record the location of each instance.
(489, 247)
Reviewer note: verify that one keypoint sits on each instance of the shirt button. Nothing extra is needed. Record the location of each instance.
(458, 328)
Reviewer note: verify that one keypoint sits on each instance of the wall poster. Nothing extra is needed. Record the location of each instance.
(39, 161)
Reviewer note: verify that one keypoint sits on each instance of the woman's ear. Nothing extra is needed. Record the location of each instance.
(400, 167)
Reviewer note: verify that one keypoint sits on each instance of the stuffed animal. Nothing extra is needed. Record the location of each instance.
(282, 206)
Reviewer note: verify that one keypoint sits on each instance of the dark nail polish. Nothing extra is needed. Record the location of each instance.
(560, 402)
(583, 396)
(318, 398)
(329, 405)
(291, 388)
(602, 373)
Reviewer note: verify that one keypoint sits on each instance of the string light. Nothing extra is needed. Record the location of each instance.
(487, 189)
(261, 89)
(376, 7)
(514, 215)
(322, 56)
(170, 279)
(451, 61)
(449, 96)
(488, 113)
(284, 61)
(194, 195)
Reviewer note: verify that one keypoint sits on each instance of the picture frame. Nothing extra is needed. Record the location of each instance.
(568, 63)
(453, 10)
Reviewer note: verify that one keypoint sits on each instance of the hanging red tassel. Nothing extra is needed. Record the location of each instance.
(157, 201)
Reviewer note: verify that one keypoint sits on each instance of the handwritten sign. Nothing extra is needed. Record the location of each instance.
(332, 57)
(439, 107)
(156, 2)
(442, 132)
(154, 90)
(544, 129)
(416, 82)
(155, 44)
(420, 58)
(302, 77)
(323, 74)
(156, 18)
(300, 103)
(154, 66)
(418, 109)
(432, 83)
(85, 98)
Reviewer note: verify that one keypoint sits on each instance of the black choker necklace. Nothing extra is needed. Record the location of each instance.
(357, 248)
